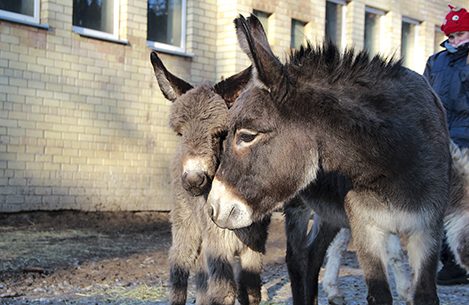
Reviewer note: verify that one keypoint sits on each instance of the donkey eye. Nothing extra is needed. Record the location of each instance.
(245, 136)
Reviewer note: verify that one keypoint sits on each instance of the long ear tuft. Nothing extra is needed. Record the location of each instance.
(171, 85)
(253, 41)
(230, 88)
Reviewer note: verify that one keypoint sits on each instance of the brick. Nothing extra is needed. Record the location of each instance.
(80, 107)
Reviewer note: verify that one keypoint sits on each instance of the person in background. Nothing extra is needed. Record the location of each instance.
(448, 73)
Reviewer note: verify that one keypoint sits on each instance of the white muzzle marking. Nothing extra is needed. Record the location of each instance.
(228, 210)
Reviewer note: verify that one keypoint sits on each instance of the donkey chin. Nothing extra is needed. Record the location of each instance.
(226, 210)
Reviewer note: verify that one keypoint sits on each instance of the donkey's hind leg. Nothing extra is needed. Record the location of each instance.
(457, 233)
(330, 281)
(423, 250)
(397, 262)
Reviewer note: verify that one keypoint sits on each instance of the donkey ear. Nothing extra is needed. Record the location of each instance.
(171, 85)
(253, 41)
(230, 88)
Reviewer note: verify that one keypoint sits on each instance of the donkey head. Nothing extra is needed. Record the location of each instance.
(268, 157)
(199, 116)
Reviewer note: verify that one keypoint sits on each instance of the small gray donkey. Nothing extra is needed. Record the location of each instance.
(199, 116)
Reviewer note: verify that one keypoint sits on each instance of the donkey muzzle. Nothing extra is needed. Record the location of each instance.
(227, 210)
(195, 182)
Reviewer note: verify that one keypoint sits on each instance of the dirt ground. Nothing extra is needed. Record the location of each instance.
(73, 257)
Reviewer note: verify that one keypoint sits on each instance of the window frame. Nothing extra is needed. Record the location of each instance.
(343, 4)
(169, 48)
(292, 31)
(255, 12)
(35, 19)
(380, 14)
(415, 23)
(100, 34)
(438, 32)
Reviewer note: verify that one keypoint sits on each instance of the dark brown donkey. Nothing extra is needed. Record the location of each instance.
(199, 116)
(372, 121)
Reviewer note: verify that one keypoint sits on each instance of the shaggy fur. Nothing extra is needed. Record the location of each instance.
(457, 215)
(199, 116)
(383, 129)
(456, 223)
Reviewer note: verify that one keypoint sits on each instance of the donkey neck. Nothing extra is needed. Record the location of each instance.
(353, 138)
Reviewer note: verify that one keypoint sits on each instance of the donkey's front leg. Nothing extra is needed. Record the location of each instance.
(249, 280)
(221, 285)
(371, 244)
(318, 242)
(297, 216)
(183, 254)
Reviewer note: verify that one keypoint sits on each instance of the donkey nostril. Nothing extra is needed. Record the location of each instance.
(211, 211)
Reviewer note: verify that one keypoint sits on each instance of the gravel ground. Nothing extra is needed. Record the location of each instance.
(121, 258)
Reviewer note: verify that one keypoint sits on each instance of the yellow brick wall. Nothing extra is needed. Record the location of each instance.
(83, 124)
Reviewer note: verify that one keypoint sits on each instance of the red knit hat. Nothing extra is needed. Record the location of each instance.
(457, 20)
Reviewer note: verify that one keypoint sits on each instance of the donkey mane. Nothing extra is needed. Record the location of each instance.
(351, 66)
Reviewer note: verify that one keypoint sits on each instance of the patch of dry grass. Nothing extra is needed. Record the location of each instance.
(124, 295)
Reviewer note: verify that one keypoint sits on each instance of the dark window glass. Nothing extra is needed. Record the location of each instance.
(408, 35)
(297, 33)
(24, 7)
(334, 22)
(372, 32)
(165, 21)
(439, 38)
(94, 14)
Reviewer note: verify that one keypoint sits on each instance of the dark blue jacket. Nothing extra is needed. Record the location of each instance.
(448, 74)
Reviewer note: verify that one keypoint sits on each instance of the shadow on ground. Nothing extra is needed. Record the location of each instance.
(70, 257)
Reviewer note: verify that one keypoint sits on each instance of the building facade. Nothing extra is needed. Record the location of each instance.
(83, 124)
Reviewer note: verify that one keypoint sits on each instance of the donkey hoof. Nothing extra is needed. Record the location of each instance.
(337, 300)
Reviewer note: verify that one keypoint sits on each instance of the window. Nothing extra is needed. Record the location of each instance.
(408, 40)
(439, 38)
(297, 33)
(263, 18)
(97, 18)
(373, 30)
(20, 10)
(166, 26)
(335, 20)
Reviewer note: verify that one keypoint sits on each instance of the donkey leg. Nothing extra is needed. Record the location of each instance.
(178, 276)
(371, 243)
(297, 216)
(201, 280)
(249, 280)
(221, 285)
(423, 250)
(330, 281)
(457, 233)
(183, 255)
(397, 262)
(317, 249)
